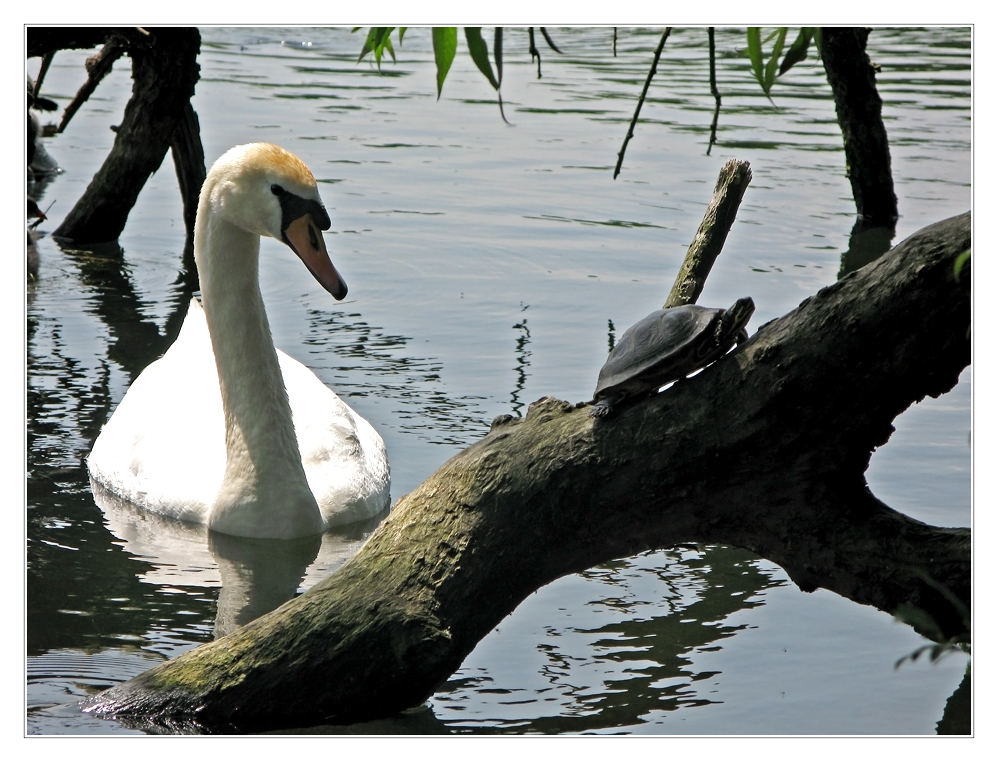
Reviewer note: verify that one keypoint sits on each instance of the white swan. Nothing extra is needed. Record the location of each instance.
(224, 429)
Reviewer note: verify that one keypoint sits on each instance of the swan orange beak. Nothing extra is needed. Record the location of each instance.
(304, 236)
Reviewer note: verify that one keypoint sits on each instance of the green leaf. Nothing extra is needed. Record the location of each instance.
(378, 40)
(480, 53)
(961, 260)
(755, 53)
(765, 74)
(798, 51)
(369, 43)
(402, 33)
(444, 48)
(771, 36)
(774, 60)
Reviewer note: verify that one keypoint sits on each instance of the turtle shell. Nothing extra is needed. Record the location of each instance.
(664, 346)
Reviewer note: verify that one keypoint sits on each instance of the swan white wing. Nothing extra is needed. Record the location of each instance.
(344, 457)
(164, 447)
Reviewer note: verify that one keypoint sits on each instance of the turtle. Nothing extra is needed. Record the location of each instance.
(665, 346)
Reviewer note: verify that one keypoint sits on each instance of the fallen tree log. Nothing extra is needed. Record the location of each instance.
(766, 450)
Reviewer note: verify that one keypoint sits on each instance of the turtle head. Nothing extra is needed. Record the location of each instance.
(736, 317)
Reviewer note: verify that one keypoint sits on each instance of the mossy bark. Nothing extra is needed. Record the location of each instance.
(765, 450)
(732, 181)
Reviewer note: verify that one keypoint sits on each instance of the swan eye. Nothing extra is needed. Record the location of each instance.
(276, 189)
(313, 238)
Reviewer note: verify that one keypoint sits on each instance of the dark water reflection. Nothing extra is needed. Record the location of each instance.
(135, 340)
(636, 662)
(522, 356)
(867, 243)
(370, 362)
(253, 576)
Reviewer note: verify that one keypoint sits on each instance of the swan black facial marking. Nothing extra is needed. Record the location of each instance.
(294, 206)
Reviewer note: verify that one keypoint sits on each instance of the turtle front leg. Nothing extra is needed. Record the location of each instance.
(604, 407)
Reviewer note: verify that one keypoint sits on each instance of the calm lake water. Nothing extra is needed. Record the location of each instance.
(488, 266)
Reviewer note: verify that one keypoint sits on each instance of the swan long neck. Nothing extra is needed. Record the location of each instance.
(264, 489)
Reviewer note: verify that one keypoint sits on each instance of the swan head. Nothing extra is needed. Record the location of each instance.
(268, 191)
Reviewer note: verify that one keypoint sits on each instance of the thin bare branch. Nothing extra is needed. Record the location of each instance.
(534, 52)
(641, 100)
(98, 67)
(713, 90)
(550, 42)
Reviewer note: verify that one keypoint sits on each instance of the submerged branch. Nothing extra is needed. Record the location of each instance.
(858, 107)
(188, 160)
(164, 73)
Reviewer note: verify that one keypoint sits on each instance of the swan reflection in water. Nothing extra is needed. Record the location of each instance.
(254, 576)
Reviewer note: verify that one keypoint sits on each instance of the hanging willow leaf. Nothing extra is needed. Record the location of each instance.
(378, 40)
(798, 51)
(444, 48)
(480, 55)
(386, 44)
(755, 52)
(368, 43)
(498, 54)
(765, 73)
(479, 50)
(774, 60)
(375, 40)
